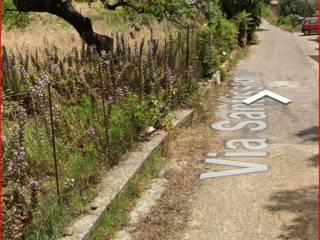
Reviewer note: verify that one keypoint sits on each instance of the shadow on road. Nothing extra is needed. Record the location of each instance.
(310, 35)
(314, 161)
(312, 131)
(298, 210)
(314, 57)
(262, 30)
(314, 39)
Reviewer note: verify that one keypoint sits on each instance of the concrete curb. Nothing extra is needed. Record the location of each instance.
(216, 78)
(116, 179)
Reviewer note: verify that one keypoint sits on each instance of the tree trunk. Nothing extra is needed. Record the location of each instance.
(63, 9)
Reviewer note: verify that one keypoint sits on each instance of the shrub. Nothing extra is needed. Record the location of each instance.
(226, 36)
(128, 119)
(11, 19)
(215, 44)
(253, 7)
(291, 20)
(295, 20)
(283, 21)
(242, 21)
(299, 7)
(208, 56)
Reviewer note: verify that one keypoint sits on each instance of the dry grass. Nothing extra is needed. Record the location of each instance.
(47, 29)
(168, 219)
(272, 17)
(172, 211)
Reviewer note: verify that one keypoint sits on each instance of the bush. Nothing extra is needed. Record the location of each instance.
(226, 37)
(242, 21)
(295, 20)
(291, 20)
(253, 7)
(215, 43)
(11, 19)
(299, 7)
(283, 21)
(208, 56)
(128, 120)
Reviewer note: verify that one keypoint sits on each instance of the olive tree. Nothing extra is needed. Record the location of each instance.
(172, 10)
(253, 7)
(305, 8)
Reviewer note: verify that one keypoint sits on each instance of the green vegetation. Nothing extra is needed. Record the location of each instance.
(303, 8)
(101, 106)
(253, 7)
(242, 21)
(207, 54)
(216, 42)
(97, 105)
(291, 23)
(12, 18)
(289, 13)
(116, 218)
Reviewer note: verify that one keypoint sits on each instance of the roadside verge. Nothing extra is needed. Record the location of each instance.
(116, 180)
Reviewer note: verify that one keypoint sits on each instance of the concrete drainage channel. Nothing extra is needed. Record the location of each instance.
(117, 179)
(143, 206)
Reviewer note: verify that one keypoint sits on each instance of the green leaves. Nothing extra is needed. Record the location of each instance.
(12, 18)
(253, 7)
(234, 7)
(304, 8)
(177, 11)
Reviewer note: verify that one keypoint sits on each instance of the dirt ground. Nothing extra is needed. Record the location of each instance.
(280, 203)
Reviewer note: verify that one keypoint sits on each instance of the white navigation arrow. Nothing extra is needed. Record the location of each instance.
(246, 168)
(266, 93)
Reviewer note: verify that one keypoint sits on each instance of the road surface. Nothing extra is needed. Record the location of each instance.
(280, 203)
(248, 172)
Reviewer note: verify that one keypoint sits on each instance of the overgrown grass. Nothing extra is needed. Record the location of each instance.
(56, 216)
(101, 104)
(116, 217)
(41, 28)
(290, 23)
(241, 53)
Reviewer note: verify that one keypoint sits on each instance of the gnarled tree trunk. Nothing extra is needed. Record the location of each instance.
(63, 9)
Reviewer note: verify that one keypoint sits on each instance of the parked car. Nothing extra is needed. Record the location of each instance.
(310, 26)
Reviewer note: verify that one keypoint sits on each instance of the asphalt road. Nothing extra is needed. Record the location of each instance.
(280, 203)
(310, 47)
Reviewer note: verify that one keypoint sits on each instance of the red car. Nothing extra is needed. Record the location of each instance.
(310, 25)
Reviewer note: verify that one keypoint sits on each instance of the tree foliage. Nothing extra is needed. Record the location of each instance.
(305, 8)
(253, 7)
(242, 21)
(175, 11)
(180, 12)
(12, 18)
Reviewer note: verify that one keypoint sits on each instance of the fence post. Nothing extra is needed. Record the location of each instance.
(188, 58)
(53, 143)
(188, 47)
(165, 65)
(140, 73)
(209, 13)
(105, 116)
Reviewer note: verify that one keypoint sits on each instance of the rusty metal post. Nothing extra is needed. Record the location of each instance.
(165, 66)
(140, 75)
(53, 142)
(105, 116)
(188, 47)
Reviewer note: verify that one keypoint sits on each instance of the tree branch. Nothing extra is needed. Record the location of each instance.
(123, 3)
(10, 10)
(63, 9)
